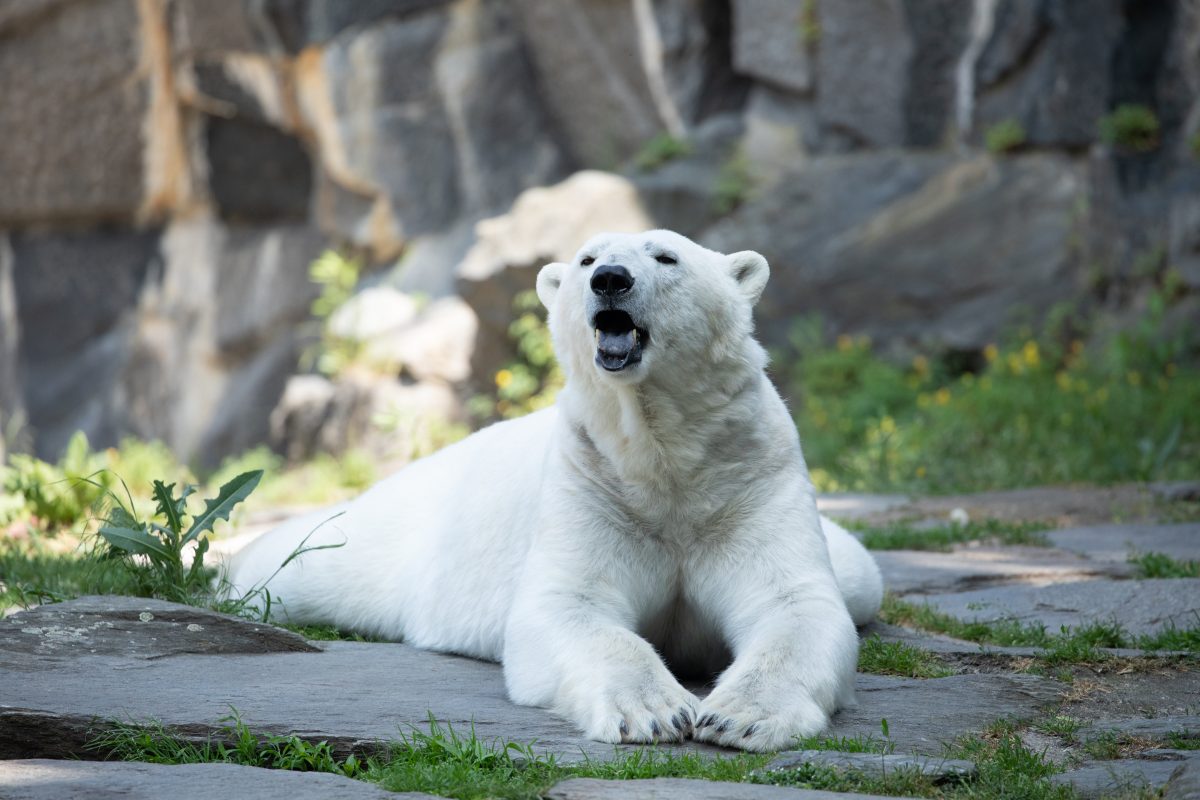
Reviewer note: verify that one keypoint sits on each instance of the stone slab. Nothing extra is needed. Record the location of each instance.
(852, 505)
(924, 571)
(1103, 778)
(356, 694)
(684, 789)
(1156, 728)
(140, 628)
(1117, 542)
(44, 779)
(1142, 607)
(1185, 782)
(874, 763)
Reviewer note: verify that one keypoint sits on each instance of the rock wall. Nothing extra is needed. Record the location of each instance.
(171, 167)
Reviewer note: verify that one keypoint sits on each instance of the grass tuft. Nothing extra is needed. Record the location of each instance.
(907, 536)
(1160, 565)
(896, 658)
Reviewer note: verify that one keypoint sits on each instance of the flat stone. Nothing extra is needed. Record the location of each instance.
(1102, 778)
(850, 505)
(1185, 782)
(684, 789)
(923, 714)
(1117, 542)
(1142, 607)
(874, 763)
(43, 779)
(924, 571)
(356, 695)
(137, 628)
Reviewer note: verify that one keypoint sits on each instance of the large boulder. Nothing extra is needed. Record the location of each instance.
(1048, 65)
(771, 42)
(74, 119)
(407, 112)
(544, 225)
(926, 242)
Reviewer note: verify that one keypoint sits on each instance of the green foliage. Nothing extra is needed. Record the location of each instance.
(1034, 413)
(658, 151)
(1131, 127)
(235, 744)
(735, 181)
(1061, 726)
(153, 549)
(1004, 137)
(34, 571)
(1194, 145)
(809, 24)
(338, 277)
(54, 494)
(907, 536)
(1160, 565)
(1184, 739)
(533, 380)
(896, 658)
(846, 744)
(1008, 770)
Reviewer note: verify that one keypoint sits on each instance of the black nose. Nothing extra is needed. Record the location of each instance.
(610, 280)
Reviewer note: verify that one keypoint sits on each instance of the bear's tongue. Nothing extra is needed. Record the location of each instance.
(614, 349)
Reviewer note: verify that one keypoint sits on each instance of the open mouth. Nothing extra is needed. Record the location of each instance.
(619, 342)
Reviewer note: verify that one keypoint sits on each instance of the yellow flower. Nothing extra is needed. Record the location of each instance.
(942, 396)
(923, 400)
(990, 352)
(844, 343)
(1134, 378)
(1030, 353)
(1015, 365)
(1064, 380)
(920, 472)
(887, 425)
(503, 378)
(921, 365)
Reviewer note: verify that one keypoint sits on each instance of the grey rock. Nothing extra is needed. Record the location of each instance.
(863, 60)
(922, 571)
(1046, 66)
(50, 703)
(462, 152)
(768, 42)
(924, 714)
(1156, 728)
(1116, 543)
(874, 763)
(256, 172)
(924, 224)
(1141, 606)
(1184, 783)
(1103, 778)
(684, 789)
(42, 779)
(76, 297)
(138, 628)
(73, 115)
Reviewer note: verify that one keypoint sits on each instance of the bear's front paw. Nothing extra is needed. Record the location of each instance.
(643, 711)
(732, 719)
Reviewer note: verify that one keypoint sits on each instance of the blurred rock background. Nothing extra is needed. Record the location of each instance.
(929, 173)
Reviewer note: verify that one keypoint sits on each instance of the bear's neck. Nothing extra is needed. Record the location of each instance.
(679, 423)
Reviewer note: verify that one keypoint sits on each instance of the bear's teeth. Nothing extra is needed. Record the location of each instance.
(597, 337)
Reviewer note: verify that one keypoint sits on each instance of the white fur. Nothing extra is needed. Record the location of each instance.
(662, 514)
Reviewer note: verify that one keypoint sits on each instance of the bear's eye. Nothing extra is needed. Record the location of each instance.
(586, 261)
(665, 259)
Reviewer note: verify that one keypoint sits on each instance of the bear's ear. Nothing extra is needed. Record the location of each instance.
(548, 281)
(750, 270)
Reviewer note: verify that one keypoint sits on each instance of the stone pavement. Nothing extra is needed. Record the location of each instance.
(66, 669)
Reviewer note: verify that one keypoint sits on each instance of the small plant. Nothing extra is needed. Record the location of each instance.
(1004, 137)
(56, 495)
(658, 151)
(1061, 726)
(160, 543)
(1184, 739)
(896, 658)
(1160, 565)
(846, 744)
(338, 278)
(533, 380)
(1194, 144)
(1131, 127)
(734, 183)
(809, 24)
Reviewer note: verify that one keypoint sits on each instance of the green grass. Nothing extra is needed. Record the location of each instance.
(326, 633)
(1004, 137)
(907, 536)
(1062, 726)
(1069, 646)
(32, 573)
(461, 765)
(1131, 127)
(1160, 565)
(1183, 740)
(1038, 411)
(659, 150)
(846, 744)
(896, 658)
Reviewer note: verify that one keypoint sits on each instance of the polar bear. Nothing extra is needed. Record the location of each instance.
(657, 523)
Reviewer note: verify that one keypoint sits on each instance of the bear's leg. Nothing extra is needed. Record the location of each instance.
(570, 645)
(795, 650)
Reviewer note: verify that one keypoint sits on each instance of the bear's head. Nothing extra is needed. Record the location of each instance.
(633, 305)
